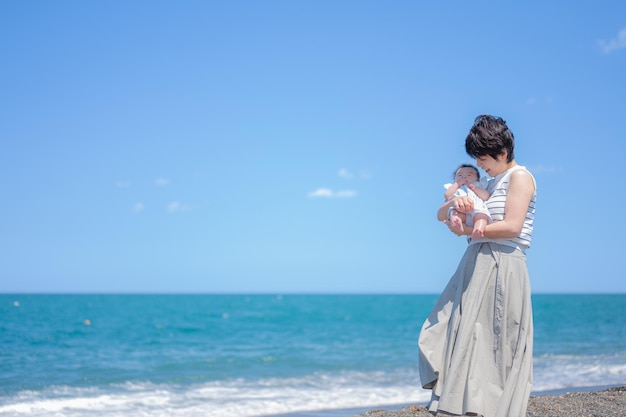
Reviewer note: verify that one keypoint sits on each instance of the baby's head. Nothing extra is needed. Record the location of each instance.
(466, 174)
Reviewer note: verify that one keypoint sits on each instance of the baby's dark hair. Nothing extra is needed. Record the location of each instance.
(466, 166)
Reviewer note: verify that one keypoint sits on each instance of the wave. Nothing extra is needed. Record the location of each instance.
(240, 397)
(235, 398)
(555, 372)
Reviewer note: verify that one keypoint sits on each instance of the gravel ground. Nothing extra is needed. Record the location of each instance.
(607, 403)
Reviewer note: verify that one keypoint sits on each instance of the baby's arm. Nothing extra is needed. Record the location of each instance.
(450, 191)
(480, 192)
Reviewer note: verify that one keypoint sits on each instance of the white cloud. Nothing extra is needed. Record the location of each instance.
(344, 173)
(162, 182)
(364, 175)
(178, 207)
(138, 207)
(345, 194)
(547, 100)
(544, 169)
(348, 175)
(328, 193)
(613, 44)
(321, 192)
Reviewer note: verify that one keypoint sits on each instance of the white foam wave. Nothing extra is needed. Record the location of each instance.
(554, 372)
(235, 398)
(315, 392)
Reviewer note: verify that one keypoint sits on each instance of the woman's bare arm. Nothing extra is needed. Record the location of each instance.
(521, 190)
(463, 204)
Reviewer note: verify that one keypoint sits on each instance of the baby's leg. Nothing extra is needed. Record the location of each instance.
(456, 220)
(480, 222)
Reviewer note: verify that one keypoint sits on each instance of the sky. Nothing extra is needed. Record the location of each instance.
(298, 146)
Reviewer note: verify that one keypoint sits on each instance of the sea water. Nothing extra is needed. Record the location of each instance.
(253, 355)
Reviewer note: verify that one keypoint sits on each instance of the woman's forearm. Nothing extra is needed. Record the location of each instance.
(463, 204)
(442, 213)
(502, 230)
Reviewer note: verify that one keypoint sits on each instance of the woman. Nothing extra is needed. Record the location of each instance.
(476, 345)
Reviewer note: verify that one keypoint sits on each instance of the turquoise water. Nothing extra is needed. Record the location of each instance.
(249, 355)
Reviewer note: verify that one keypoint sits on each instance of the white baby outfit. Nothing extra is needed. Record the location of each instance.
(479, 204)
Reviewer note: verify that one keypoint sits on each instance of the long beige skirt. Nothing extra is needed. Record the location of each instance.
(476, 345)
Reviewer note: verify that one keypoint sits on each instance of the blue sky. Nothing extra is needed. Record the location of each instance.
(298, 146)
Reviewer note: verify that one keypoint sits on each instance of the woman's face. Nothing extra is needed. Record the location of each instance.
(465, 175)
(492, 166)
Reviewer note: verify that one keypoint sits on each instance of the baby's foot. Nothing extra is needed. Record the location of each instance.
(456, 223)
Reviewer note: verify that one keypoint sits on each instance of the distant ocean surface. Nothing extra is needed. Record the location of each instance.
(253, 355)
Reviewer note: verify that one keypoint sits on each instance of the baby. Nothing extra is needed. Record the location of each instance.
(466, 183)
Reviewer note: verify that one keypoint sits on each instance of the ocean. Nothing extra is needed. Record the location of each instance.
(254, 355)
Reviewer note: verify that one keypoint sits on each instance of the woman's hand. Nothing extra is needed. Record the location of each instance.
(464, 204)
(461, 204)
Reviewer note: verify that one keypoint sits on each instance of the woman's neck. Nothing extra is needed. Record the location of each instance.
(505, 167)
(511, 165)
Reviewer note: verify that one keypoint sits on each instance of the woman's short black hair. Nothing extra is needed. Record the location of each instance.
(490, 136)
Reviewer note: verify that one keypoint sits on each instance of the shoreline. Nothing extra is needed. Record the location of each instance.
(599, 401)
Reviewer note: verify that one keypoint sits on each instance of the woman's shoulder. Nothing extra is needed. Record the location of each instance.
(517, 174)
(522, 176)
(522, 171)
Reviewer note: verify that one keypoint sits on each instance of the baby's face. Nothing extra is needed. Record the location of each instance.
(465, 176)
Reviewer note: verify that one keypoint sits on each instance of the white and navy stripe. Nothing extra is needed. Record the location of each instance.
(498, 188)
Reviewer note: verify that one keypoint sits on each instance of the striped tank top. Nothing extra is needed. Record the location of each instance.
(498, 188)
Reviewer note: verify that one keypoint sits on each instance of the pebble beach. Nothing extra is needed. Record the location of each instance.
(605, 403)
